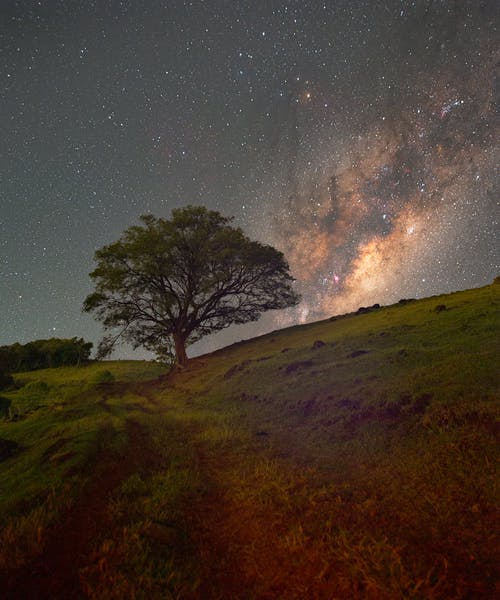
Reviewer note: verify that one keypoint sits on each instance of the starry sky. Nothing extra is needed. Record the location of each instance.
(358, 137)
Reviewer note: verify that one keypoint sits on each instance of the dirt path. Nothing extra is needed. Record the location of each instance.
(55, 573)
(241, 538)
(214, 533)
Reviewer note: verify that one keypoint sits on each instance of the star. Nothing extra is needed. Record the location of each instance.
(371, 164)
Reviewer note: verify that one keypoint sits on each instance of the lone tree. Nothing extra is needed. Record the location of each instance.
(175, 281)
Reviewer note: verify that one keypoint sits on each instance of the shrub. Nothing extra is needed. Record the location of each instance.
(6, 381)
(440, 308)
(103, 376)
(35, 388)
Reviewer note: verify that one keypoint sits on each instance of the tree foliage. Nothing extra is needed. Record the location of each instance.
(43, 354)
(171, 282)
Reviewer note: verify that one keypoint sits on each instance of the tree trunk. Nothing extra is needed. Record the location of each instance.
(180, 349)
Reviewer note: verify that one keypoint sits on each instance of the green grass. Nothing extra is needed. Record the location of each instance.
(398, 442)
(58, 422)
(363, 466)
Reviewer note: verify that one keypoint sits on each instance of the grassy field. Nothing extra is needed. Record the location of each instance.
(351, 458)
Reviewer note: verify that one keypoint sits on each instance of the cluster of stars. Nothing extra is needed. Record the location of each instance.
(356, 136)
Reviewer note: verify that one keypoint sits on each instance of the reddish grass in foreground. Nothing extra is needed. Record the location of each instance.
(55, 572)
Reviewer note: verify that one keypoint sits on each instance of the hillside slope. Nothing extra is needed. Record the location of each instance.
(350, 458)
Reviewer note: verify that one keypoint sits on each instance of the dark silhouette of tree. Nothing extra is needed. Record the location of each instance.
(43, 354)
(170, 282)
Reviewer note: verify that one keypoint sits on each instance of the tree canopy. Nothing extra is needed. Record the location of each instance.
(44, 354)
(167, 283)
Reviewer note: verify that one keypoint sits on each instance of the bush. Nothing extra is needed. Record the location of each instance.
(35, 389)
(6, 381)
(4, 406)
(103, 376)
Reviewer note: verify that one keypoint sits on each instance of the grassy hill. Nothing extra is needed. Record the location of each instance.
(350, 458)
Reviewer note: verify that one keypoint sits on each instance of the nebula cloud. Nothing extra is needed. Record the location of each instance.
(372, 210)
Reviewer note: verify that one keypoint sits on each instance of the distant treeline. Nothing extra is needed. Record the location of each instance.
(43, 354)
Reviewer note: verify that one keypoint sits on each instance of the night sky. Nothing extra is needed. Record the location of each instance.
(358, 137)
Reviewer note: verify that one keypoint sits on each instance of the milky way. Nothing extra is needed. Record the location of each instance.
(360, 138)
(401, 206)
